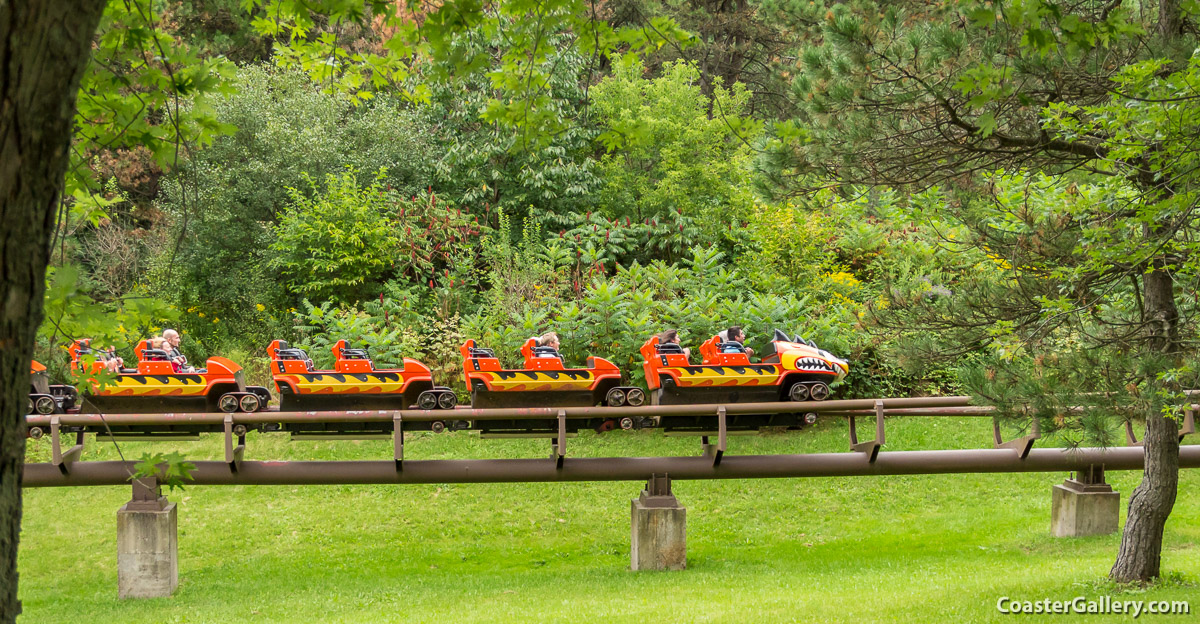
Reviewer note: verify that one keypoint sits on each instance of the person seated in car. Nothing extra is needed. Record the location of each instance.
(158, 343)
(549, 339)
(171, 338)
(735, 334)
(671, 336)
(112, 362)
(547, 347)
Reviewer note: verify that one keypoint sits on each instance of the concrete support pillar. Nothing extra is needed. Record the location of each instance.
(147, 544)
(659, 540)
(1084, 505)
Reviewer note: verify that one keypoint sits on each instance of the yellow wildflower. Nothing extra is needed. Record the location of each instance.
(260, 307)
(844, 278)
(200, 314)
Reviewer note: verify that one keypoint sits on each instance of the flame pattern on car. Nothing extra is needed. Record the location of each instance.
(524, 380)
(346, 383)
(157, 385)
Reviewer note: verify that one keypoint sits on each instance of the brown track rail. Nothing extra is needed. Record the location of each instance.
(842, 407)
(613, 468)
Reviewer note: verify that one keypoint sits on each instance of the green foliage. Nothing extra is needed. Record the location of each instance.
(919, 93)
(671, 148)
(219, 28)
(342, 240)
(521, 275)
(169, 469)
(490, 164)
(1044, 279)
(536, 36)
(143, 88)
(223, 203)
(337, 241)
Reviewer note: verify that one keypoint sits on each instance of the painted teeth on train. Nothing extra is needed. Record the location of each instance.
(815, 363)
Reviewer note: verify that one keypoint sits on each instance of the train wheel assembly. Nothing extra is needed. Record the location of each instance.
(635, 397)
(799, 392)
(231, 402)
(625, 395)
(819, 391)
(615, 397)
(438, 398)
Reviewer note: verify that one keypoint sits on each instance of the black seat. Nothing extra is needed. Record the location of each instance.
(668, 347)
(546, 352)
(480, 352)
(154, 355)
(354, 354)
(284, 352)
(731, 347)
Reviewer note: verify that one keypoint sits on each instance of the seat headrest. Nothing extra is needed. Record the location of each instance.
(668, 347)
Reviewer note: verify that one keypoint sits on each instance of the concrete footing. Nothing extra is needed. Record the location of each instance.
(659, 528)
(147, 545)
(1084, 506)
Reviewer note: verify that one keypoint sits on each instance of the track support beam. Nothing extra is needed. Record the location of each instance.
(58, 457)
(398, 440)
(1021, 445)
(234, 453)
(871, 448)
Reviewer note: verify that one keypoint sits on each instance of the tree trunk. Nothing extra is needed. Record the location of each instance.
(1150, 505)
(44, 47)
(1170, 19)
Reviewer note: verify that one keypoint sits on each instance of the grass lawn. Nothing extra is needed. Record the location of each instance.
(882, 549)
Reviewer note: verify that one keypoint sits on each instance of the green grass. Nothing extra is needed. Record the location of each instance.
(883, 549)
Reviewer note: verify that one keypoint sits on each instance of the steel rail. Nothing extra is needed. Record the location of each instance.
(524, 413)
(613, 468)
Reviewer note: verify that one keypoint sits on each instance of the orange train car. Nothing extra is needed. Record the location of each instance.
(158, 386)
(545, 381)
(354, 382)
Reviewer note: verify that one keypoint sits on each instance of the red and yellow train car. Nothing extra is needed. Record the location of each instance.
(545, 381)
(156, 385)
(354, 382)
